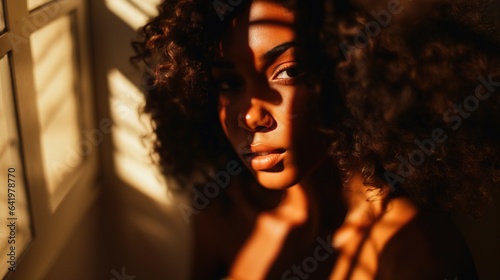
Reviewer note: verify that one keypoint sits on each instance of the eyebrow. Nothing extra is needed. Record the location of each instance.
(268, 57)
(272, 54)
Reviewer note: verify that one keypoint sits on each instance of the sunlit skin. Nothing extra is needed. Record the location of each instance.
(264, 105)
(268, 114)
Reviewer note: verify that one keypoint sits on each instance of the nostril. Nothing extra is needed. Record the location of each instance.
(256, 121)
(267, 123)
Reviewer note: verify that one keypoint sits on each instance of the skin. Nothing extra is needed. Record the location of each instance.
(265, 106)
(262, 240)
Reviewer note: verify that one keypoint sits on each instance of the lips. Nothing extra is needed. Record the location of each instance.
(262, 157)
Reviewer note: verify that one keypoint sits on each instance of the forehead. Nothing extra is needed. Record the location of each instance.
(262, 26)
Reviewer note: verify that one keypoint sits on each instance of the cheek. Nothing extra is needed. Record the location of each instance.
(296, 113)
(303, 120)
(286, 112)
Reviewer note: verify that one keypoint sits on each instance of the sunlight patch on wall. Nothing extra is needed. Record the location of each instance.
(131, 156)
(133, 12)
(32, 4)
(147, 6)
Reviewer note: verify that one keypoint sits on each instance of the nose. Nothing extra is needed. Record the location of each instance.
(256, 119)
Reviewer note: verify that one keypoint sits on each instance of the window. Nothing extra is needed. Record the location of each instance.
(46, 128)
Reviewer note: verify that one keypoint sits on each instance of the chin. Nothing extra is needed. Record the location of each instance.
(277, 180)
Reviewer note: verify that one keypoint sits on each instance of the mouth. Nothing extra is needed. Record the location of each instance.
(263, 159)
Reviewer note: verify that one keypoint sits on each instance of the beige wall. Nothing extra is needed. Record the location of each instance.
(152, 240)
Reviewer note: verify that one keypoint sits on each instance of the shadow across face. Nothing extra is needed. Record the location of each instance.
(265, 107)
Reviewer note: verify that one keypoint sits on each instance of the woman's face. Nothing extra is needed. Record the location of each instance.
(265, 108)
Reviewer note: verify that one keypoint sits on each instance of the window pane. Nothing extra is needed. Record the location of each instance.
(14, 209)
(57, 99)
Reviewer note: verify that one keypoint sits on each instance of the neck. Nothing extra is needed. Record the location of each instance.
(318, 199)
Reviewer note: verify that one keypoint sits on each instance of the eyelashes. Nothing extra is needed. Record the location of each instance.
(289, 72)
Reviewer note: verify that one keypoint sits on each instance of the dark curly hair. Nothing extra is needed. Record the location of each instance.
(382, 99)
(177, 49)
(421, 114)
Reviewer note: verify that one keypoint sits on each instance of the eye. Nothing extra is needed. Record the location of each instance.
(288, 72)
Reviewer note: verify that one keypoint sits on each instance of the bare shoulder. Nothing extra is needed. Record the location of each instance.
(402, 243)
(428, 246)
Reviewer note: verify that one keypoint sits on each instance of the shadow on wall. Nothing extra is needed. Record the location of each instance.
(152, 239)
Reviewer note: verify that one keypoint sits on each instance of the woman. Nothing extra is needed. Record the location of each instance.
(233, 90)
(255, 82)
